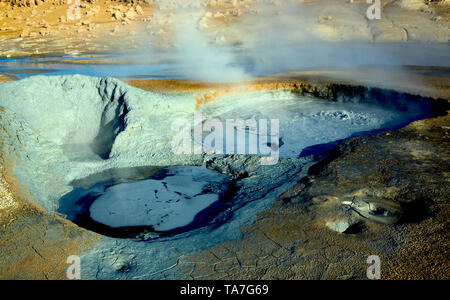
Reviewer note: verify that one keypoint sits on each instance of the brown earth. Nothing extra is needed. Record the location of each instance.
(5, 78)
(46, 28)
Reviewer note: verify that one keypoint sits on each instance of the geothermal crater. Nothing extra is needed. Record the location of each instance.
(282, 191)
(99, 152)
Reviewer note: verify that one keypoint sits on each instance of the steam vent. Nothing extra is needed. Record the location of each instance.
(224, 140)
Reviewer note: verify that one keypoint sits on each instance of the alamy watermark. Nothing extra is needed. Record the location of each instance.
(74, 270)
(374, 270)
(234, 136)
(374, 10)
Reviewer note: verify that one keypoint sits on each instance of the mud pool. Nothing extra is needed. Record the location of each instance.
(98, 152)
(84, 140)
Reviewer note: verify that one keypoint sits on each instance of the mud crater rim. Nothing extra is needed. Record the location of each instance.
(117, 105)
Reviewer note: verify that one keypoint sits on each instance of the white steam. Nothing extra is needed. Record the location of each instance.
(202, 60)
(278, 36)
(195, 56)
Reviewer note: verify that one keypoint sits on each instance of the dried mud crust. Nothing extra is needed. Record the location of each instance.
(36, 245)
